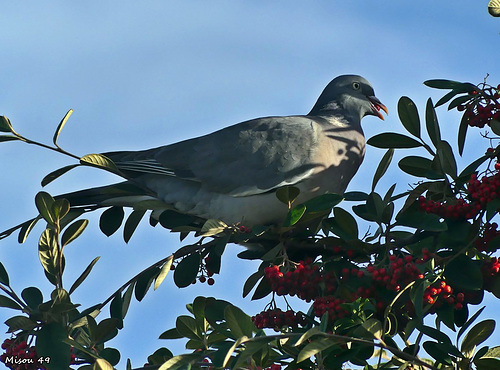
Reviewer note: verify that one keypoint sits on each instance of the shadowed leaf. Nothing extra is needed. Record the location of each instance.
(111, 220)
(84, 275)
(57, 173)
(408, 115)
(382, 167)
(388, 140)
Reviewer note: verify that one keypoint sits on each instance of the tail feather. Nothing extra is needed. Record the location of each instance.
(125, 194)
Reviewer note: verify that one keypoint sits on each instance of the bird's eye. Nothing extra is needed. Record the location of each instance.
(356, 85)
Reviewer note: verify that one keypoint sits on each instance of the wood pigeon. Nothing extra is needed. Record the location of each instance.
(232, 174)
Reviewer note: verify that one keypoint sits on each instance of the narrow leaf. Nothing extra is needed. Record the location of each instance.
(8, 138)
(9, 303)
(26, 229)
(4, 276)
(131, 224)
(314, 347)
(388, 140)
(57, 173)
(61, 125)
(431, 123)
(213, 227)
(447, 159)
(163, 272)
(382, 167)
(73, 231)
(84, 275)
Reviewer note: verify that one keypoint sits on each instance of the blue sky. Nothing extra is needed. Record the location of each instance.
(146, 73)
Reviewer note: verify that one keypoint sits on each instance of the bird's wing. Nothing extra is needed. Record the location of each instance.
(248, 158)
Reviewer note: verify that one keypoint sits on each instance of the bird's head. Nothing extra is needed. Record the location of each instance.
(350, 96)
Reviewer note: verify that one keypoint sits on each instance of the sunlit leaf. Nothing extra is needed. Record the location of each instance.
(61, 125)
(238, 322)
(314, 347)
(477, 335)
(44, 202)
(163, 272)
(99, 161)
(294, 215)
(213, 227)
(5, 125)
(73, 231)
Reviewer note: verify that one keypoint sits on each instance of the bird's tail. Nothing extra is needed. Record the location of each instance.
(125, 194)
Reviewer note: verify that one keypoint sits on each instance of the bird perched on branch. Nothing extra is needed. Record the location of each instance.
(232, 174)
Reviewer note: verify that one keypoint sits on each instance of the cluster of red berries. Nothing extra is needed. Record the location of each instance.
(277, 319)
(19, 356)
(329, 304)
(441, 293)
(303, 281)
(460, 209)
(490, 231)
(481, 113)
(490, 268)
(401, 271)
(486, 190)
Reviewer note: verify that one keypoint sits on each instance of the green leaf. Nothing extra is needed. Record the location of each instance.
(48, 252)
(437, 352)
(324, 202)
(187, 270)
(443, 84)
(171, 334)
(99, 161)
(477, 335)
(163, 272)
(251, 281)
(84, 275)
(144, 282)
(418, 166)
(116, 309)
(294, 215)
(20, 323)
(9, 303)
(111, 355)
(106, 330)
(44, 202)
(111, 220)
(421, 220)
(343, 224)
(388, 140)
(131, 224)
(186, 326)
(26, 229)
(382, 167)
(57, 173)
(447, 159)
(60, 208)
(32, 296)
(60, 126)
(446, 98)
(262, 290)
(8, 138)
(238, 322)
(5, 125)
(458, 101)
(127, 297)
(374, 327)
(73, 231)
(471, 168)
(314, 347)
(464, 273)
(308, 334)
(355, 196)
(4, 276)
(160, 356)
(287, 194)
(469, 322)
(431, 123)
(487, 363)
(408, 115)
(50, 343)
(213, 227)
(181, 361)
(495, 127)
(170, 219)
